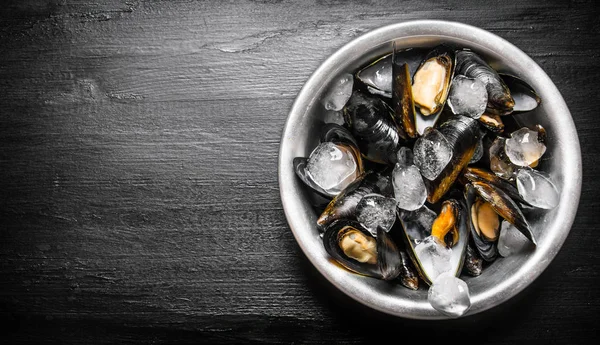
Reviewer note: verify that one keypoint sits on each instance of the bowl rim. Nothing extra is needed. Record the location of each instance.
(289, 188)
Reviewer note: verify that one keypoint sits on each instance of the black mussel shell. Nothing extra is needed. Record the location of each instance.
(409, 276)
(525, 97)
(505, 207)
(446, 56)
(473, 261)
(475, 174)
(332, 132)
(371, 123)
(492, 122)
(382, 84)
(462, 134)
(300, 169)
(402, 99)
(343, 206)
(488, 250)
(388, 263)
(415, 231)
(471, 65)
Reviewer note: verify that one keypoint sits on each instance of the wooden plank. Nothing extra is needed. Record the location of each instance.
(139, 171)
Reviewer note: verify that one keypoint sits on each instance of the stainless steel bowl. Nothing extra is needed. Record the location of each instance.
(506, 276)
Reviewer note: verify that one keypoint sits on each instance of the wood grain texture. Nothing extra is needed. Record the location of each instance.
(140, 200)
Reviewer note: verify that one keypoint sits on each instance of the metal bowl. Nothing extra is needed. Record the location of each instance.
(506, 277)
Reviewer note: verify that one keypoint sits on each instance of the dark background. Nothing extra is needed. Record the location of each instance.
(139, 193)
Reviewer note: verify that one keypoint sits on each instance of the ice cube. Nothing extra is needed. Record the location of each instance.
(467, 97)
(511, 240)
(409, 189)
(339, 92)
(449, 295)
(432, 153)
(333, 116)
(332, 167)
(524, 147)
(537, 189)
(404, 157)
(375, 210)
(434, 257)
(499, 162)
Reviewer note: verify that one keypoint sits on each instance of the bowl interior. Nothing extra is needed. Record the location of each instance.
(506, 276)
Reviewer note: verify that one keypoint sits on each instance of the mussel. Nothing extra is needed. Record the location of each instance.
(504, 206)
(377, 76)
(344, 204)
(359, 251)
(486, 248)
(524, 96)
(475, 174)
(449, 227)
(492, 122)
(371, 123)
(336, 144)
(462, 134)
(402, 98)
(473, 262)
(470, 64)
(431, 85)
(409, 277)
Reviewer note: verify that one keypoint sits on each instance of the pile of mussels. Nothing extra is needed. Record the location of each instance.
(424, 172)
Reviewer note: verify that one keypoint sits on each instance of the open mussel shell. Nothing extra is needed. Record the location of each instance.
(488, 250)
(402, 99)
(343, 206)
(335, 133)
(343, 143)
(492, 122)
(300, 169)
(473, 265)
(471, 65)
(417, 226)
(377, 76)
(475, 174)
(439, 64)
(371, 123)
(409, 276)
(355, 248)
(504, 206)
(525, 97)
(462, 134)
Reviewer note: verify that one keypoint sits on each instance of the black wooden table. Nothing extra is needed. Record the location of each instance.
(139, 192)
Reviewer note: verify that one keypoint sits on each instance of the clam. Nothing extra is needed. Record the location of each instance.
(344, 204)
(462, 134)
(371, 123)
(450, 226)
(431, 84)
(470, 64)
(336, 141)
(359, 251)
